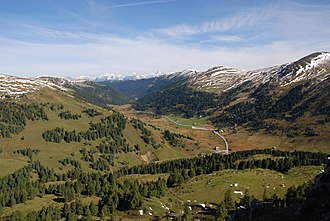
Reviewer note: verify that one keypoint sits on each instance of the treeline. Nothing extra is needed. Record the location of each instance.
(13, 116)
(68, 115)
(237, 160)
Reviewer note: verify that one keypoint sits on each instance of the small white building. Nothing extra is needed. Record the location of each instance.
(239, 192)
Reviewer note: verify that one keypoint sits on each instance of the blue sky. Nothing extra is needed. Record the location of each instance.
(94, 37)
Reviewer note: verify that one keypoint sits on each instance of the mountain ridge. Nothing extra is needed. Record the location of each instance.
(313, 69)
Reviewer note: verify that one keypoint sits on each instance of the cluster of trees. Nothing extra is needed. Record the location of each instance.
(138, 124)
(297, 195)
(28, 152)
(87, 154)
(146, 134)
(180, 100)
(96, 160)
(18, 188)
(13, 116)
(110, 127)
(68, 115)
(103, 163)
(178, 177)
(129, 195)
(286, 102)
(54, 107)
(113, 148)
(69, 161)
(141, 87)
(57, 134)
(174, 138)
(183, 100)
(253, 113)
(91, 112)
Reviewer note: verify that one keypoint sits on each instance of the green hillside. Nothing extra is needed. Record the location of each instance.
(64, 158)
(41, 134)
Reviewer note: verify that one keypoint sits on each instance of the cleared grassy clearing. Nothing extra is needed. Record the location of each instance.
(186, 122)
(37, 203)
(10, 165)
(211, 188)
(32, 205)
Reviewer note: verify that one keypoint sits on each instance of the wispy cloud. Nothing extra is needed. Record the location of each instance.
(55, 34)
(228, 38)
(231, 23)
(138, 4)
(52, 33)
(97, 7)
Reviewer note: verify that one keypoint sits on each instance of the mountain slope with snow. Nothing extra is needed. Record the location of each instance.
(97, 93)
(292, 98)
(313, 67)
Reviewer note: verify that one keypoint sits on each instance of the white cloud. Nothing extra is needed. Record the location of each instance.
(143, 56)
(221, 25)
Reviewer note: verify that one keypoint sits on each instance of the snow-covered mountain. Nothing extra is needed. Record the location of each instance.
(118, 77)
(314, 67)
(220, 78)
(15, 86)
